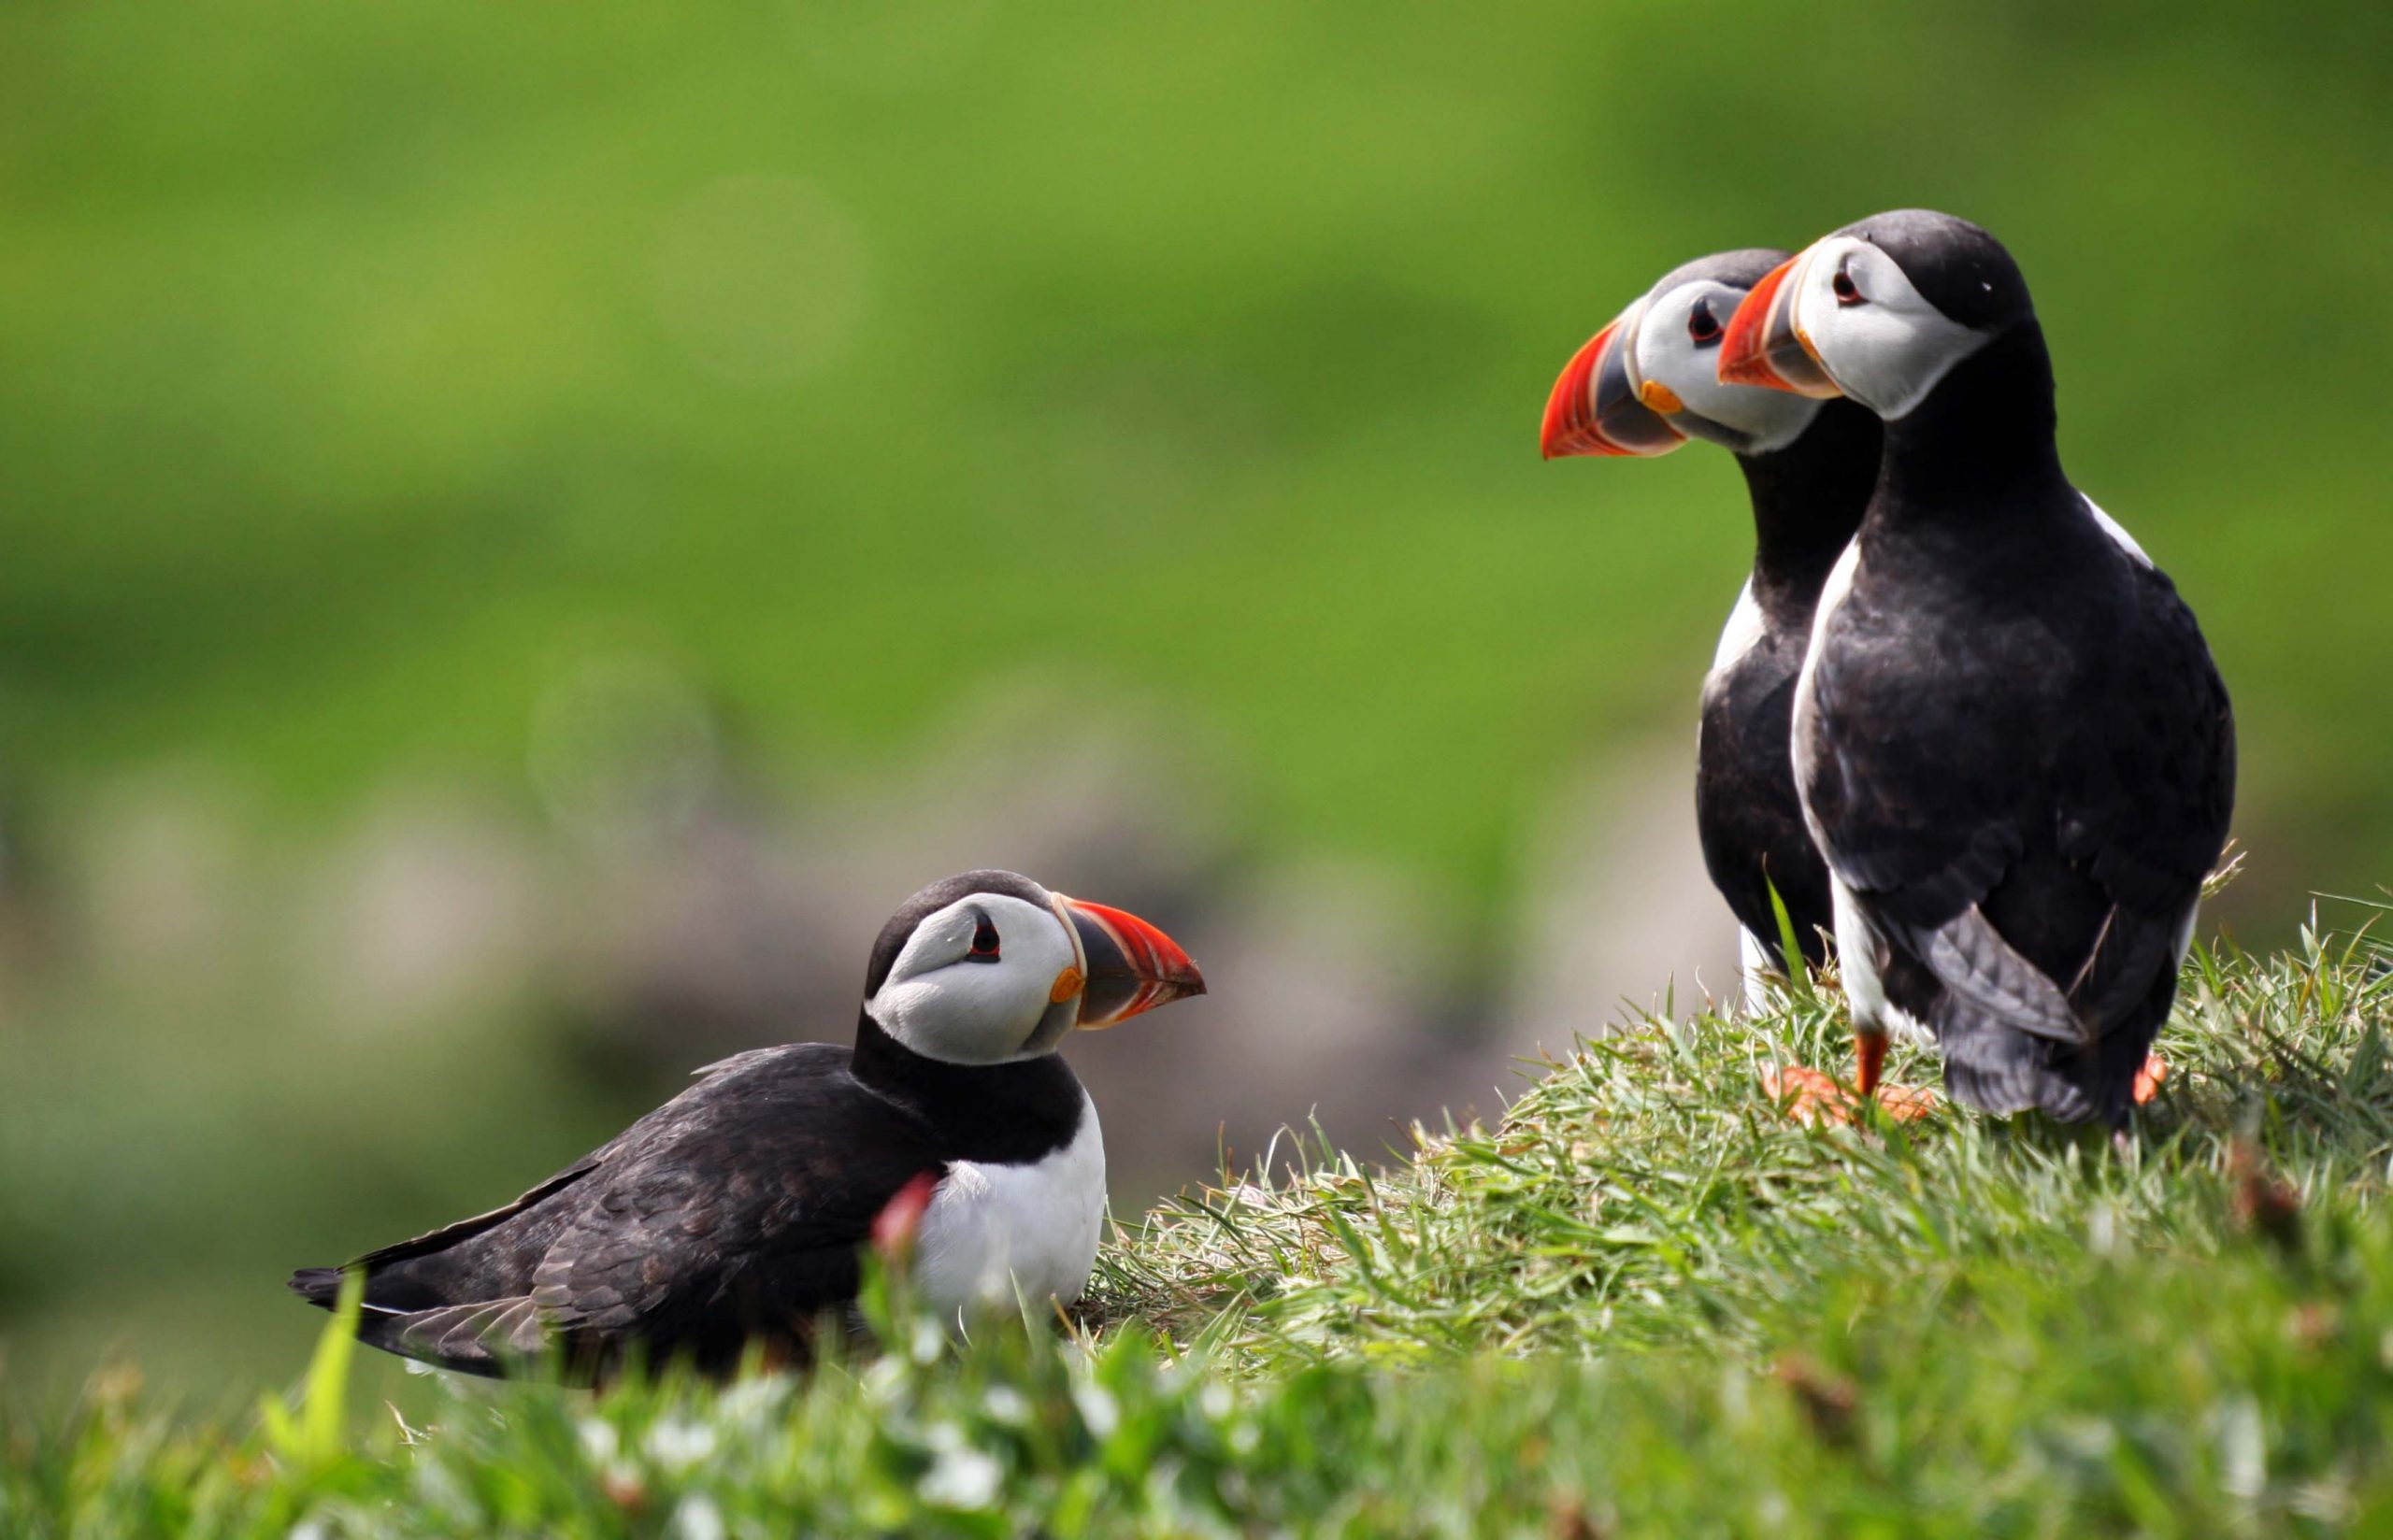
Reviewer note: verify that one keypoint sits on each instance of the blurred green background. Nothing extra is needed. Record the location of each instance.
(1161, 374)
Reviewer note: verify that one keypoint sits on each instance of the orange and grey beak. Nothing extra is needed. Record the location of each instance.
(1763, 345)
(1126, 964)
(1596, 407)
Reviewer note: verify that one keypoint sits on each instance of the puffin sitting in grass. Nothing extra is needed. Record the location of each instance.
(1644, 386)
(2009, 739)
(735, 1214)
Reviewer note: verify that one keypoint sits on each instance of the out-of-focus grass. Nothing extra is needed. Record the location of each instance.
(356, 375)
(1639, 1302)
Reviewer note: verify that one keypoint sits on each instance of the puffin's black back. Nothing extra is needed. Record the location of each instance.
(2019, 752)
(733, 1215)
(2029, 847)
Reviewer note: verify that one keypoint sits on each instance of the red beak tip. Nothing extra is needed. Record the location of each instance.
(1569, 428)
(1745, 347)
(1742, 360)
(1163, 969)
(1578, 441)
(1746, 372)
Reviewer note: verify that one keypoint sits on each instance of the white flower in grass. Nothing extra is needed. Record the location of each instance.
(753, 1399)
(676, 1444)
(599, 1441)
(696, 1517)
(884, 1382)
(961, 1477)
(1098, 1409)
(2242, 1448)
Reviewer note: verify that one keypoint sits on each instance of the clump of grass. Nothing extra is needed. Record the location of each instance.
(1640, 1301)
(1646, 1191)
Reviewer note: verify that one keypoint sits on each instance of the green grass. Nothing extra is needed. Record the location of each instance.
(1640, 1301)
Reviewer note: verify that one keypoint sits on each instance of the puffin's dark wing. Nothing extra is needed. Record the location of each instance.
(470, 1257)
(736, 1210)
(2154, 815)
(445, 1263)
(481, 1261)
(2040, 866)
(1747, 819)
(449, 1236)
(1903, 751)
(743, 1214)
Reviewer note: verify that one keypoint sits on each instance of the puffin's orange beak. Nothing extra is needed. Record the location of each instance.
(1764, 347)
(1127, 966)
(1594, 408)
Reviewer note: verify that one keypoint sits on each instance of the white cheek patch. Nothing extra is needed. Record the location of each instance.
(1764, 419)
(965, 1014)
(939, 940)
(963, 1011)
(1890, 349)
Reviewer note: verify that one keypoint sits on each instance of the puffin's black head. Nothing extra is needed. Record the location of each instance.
(989, 966)
(1650, 380)
(1881, 311)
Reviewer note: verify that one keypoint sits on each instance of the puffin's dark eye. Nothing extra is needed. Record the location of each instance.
(1847, 292)
(984, 941)
(1703, 326)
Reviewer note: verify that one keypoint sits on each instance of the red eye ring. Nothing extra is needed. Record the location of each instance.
(984, 938)
(1847, 292)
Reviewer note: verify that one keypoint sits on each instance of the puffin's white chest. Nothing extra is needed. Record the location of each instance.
(992, 1231)
(1745, 627)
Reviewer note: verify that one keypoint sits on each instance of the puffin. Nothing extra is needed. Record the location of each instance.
(950, 1134)
(1647, 384)
(2010, 740)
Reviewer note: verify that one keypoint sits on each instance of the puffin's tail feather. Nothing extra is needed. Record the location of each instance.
(2006, 1074)
(317, 1286)
(1994, 1069)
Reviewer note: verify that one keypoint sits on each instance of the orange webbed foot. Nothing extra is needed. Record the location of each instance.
(2148, 1079)
(1812, 1098)
(1809, 1096)
(1904, 1104)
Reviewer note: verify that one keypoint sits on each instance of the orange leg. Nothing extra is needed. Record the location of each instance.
(1869, 1060)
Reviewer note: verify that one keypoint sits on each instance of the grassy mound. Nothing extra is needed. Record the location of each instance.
(1642, 1300)
(1647, 1194)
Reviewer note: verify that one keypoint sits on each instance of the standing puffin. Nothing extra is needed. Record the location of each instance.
(734, 1213)
(2009, 739)
(1646, 384)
